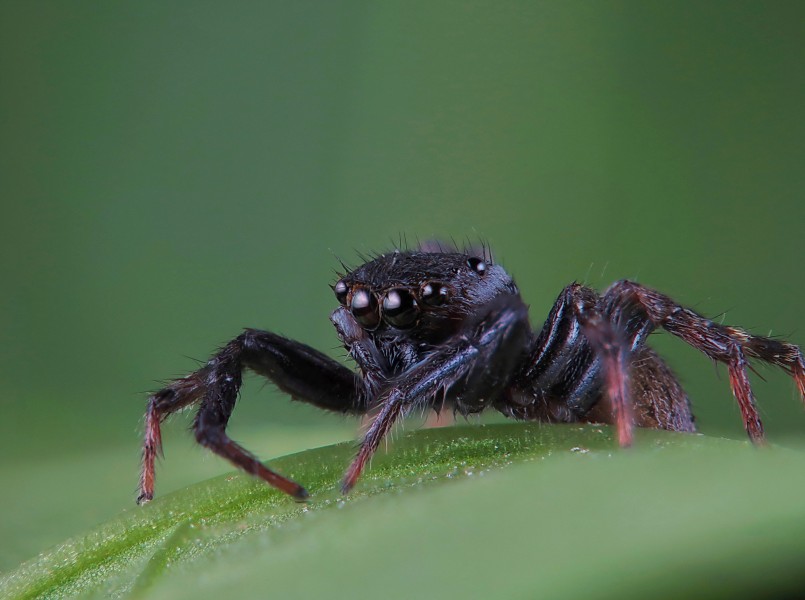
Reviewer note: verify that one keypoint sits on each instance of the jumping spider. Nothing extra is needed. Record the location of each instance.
(437, 329)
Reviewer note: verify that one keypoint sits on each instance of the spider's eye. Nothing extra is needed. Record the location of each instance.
(341, 291)
(433, 294)
(364, 308)
(477, 265)
(399, 308)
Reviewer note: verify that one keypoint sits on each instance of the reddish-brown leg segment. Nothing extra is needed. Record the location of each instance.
(417, 387)
(607, 342)
(181, 393)
(728, 345)
(377, 431)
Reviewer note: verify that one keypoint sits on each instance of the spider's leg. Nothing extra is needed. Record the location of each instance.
(561, 369)
(418, 385)
(585, 353)
(299, 370)
(610, 346)
(487, 350)
(564, 368)
(729, 345)
(222, 387)
(179, 394)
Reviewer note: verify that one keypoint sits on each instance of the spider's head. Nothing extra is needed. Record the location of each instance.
(420, 294)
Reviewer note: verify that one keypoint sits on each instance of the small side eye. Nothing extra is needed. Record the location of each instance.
(364, 308)
(433, 294)
(399, 308)
(477, 265)
(341, 289)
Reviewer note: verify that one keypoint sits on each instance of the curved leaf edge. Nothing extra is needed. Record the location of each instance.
(134, 549)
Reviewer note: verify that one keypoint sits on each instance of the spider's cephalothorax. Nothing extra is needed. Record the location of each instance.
(435, 329)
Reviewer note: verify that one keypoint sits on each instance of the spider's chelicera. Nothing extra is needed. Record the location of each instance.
(448, 329)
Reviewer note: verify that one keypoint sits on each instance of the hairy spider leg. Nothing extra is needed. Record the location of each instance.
(417, 386)
(721, 343)
(179, 394)
(297, 369)
(504, 326)
(614, 350)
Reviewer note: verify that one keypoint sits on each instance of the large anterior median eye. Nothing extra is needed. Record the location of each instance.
(364, 308)
(399, 308)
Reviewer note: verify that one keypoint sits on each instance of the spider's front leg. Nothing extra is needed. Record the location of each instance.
(299, 370)
(470, 370)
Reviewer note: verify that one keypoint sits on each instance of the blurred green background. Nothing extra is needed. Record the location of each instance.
(171, 173)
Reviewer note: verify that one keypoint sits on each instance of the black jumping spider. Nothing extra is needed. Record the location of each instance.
(447, 329)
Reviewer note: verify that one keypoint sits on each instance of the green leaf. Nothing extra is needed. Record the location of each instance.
(513, 510)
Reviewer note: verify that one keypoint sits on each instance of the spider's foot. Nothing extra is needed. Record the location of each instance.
(301, 494)
(349, 481)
